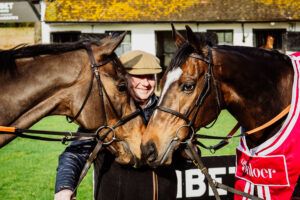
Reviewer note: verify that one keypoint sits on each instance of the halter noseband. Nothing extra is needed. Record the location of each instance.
(200, 99)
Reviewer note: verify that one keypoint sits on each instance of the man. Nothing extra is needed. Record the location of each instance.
(113, 181)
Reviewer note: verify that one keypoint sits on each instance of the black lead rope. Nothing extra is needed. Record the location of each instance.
(224, 139)
(67, 135)
(202, 168)
(100, 144)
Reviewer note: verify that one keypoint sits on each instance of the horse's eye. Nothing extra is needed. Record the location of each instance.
(188, 87)
(122, 87)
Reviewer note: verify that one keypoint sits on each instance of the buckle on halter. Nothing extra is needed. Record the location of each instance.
(207, 76)
(95, 69)
(65, 140)
(102, 138)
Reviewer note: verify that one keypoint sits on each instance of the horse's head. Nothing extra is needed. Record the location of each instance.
(83, 80)
(189, 99)
(110, 111)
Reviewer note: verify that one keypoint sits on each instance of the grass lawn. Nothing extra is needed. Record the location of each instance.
(28, 167)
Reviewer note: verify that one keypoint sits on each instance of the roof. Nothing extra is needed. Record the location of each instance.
(171, 10)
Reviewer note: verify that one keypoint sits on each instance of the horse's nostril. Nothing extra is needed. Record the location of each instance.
(149, 152)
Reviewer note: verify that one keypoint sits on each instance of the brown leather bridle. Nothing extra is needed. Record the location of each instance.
(209, 79)
(101, 91)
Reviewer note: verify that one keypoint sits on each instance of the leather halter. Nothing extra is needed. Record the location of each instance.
(95, 73)
(208, 77)
(101, 91)
(206, 89)
(71, 136)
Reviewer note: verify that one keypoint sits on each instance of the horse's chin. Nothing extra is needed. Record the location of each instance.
(124, 155)
(166, 157)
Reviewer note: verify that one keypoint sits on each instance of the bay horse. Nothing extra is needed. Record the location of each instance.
(253, 84)
(58, 79)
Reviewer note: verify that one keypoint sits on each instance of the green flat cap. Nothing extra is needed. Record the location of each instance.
(139, 62)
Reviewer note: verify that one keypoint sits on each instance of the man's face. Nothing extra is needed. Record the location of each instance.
(141, 87)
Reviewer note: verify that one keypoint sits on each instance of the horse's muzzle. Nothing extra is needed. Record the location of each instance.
(149, 152)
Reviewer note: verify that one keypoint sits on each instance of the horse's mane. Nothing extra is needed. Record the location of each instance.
(186, 49)
(257, 52)
(180, 56)
(7, 57)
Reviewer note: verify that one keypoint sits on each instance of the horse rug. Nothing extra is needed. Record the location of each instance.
(271, 170)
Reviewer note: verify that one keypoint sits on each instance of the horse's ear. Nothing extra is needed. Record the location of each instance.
(192, 39)
(112, 43)
(178, 38)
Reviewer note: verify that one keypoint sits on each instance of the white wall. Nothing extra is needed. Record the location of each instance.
(143, 35)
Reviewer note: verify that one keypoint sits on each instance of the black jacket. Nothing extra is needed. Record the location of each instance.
(113, 181)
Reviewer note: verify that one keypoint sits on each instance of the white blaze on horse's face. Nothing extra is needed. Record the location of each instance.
(172, 76)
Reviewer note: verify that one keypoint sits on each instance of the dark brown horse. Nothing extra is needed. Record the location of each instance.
(253, 84)
(54, 79)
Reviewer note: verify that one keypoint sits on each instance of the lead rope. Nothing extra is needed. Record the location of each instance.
(100, 144)
(202, 168)
(225, 139)
(212, 183)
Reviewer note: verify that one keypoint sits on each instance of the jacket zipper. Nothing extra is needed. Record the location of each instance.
(155, 185)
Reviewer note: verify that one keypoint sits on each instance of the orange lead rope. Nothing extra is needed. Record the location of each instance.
(7, 129)
(272, 121)
(230, 135)
(265, 125)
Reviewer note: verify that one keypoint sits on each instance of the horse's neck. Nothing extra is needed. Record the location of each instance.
(34, 87)
(255, 96)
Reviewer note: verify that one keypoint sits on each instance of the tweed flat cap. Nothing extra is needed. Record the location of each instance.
(139, 62)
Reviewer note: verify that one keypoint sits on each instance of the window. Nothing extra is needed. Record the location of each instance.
(293, 41)
(73, 36)
(92, 35)
(65, 36)
(261, 35)
(165, 47)
(165, 44)
(125, 45)
(225, 37)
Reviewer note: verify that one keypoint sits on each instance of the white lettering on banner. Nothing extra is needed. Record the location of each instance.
(231, 170)
(179, 184)
(265, 173)
(191, 183)
(195, 185)
(214, 172)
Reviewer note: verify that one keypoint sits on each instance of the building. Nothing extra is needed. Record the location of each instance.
(236, 22)
(19, 23)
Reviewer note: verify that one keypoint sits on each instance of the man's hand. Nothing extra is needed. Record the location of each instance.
(63, 195)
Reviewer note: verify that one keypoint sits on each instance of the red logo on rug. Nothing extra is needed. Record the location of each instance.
(262, 170)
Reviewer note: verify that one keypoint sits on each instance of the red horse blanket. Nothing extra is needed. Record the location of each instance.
(272, 169)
